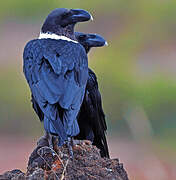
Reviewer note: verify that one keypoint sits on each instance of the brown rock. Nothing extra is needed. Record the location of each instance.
(86, 164)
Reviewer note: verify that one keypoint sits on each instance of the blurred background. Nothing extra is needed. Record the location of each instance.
(136, 75)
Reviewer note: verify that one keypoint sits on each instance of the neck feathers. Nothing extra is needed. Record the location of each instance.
(55, 36)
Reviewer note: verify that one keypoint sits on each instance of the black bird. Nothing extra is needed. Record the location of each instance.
(56, 69)
(91, 118)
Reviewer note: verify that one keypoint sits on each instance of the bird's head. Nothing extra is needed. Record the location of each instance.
(90, 40)
(61, 21)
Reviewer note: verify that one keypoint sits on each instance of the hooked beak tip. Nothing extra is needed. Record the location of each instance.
(91, 17)
(106, 43)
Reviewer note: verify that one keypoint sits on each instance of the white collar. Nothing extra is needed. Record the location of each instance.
(54, 36)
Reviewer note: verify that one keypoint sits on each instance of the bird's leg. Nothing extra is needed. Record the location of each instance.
(55, 144)
(70, 147)
(52, 142)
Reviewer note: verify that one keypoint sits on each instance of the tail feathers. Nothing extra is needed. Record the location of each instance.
(99, 125)
(99, 109)
(55, 127)
(101, 143)
(105, 145)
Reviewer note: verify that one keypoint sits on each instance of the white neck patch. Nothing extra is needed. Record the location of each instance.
(54, 36)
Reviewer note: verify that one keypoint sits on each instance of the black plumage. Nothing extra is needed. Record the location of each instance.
(91, 118)
(56, 70)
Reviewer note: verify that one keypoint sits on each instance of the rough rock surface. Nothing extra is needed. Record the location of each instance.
(87, 164)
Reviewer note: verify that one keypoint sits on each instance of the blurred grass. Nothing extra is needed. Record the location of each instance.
(37, 8)
(16, 113)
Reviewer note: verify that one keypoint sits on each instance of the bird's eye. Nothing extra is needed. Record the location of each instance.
(66, 14)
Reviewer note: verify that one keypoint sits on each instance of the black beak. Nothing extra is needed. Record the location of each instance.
(80, 15)
(95, 40)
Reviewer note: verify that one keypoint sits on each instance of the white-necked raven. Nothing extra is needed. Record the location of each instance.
(91, 118)
(56, 69)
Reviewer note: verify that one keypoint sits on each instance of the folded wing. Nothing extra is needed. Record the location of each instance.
(57, 71)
